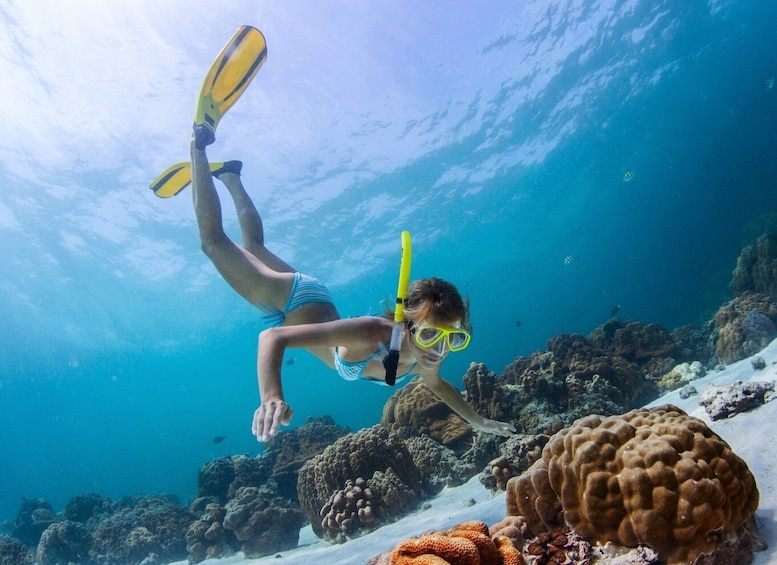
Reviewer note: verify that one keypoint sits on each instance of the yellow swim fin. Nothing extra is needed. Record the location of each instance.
(175, 178)
(228, 77)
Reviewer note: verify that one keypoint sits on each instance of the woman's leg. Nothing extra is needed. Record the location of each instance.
(251, 226)
(245, 272)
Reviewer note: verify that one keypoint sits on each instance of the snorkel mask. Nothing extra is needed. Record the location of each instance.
(436, 338)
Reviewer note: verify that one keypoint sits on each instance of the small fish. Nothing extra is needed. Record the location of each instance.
(615, 309)
(219, 439)
(290, 361)
(769, 82)
(518, 323)
(568, 259)
(628, 175)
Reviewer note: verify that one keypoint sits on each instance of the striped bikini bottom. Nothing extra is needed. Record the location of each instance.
(305, 290)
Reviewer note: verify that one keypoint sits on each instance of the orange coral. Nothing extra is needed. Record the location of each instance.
(465, 544)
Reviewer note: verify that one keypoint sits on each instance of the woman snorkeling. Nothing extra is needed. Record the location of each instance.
(302, 314)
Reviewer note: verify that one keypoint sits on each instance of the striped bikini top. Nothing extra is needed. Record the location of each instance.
(354, 370)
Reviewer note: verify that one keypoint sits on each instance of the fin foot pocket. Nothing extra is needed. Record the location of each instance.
(228, 167)
(203, 136)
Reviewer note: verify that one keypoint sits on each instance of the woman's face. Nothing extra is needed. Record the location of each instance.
(429, 357)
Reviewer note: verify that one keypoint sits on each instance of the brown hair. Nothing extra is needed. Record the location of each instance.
(435, 300)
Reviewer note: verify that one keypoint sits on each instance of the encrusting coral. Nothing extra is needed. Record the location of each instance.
(652, 476)
(464, 544)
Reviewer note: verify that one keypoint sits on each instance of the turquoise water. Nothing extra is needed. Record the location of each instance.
(498, 136)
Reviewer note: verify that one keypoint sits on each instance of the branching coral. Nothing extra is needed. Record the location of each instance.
(657, 476)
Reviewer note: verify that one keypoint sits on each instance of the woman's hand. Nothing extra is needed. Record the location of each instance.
(270, 416)
(495, 427)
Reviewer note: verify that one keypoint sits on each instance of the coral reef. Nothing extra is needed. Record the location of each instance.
(14, 552)
(745, 326)
(291, 449)
(64, 542)
(517, 454)
(559, 547)
(149, 528)
(697, 342)
(374, 455)
(484, 392)
(464, 544)
(438, 465)
(222, 477)
(84, 507)
(579, 376)
(756, 268)
(652, 476)
(727, 400)
(681, 375)
(648, 345)
(416, 407)
(207, 538)
(263, 525)
(34, 516)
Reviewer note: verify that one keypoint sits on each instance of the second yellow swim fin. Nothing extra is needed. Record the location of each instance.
(175, 178)
(228, 77)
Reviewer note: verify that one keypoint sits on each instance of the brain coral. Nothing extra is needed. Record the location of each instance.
(652, 476)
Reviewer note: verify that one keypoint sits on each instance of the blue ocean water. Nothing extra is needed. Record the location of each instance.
(498, 136)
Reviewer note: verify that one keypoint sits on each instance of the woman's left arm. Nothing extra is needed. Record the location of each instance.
(446, 392)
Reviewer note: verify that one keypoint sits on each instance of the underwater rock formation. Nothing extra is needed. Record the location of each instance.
(727, 400)
(416, 407)
(264, 525)
(64, 542)
(468, 543)
(756, 268)
(375, 456)
(292, 448)
(652, 476)
(745, 325)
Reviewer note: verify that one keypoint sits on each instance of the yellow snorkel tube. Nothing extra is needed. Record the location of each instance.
(391, 360)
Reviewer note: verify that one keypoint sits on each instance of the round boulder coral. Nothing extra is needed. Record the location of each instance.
(374, 455)
(652, 476)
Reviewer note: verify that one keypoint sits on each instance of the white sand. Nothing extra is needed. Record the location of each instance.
(750, 434)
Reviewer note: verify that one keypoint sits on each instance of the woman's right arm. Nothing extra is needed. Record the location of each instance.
(273, 411)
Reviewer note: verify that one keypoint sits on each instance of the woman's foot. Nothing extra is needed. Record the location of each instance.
(233, 167)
